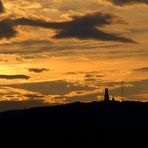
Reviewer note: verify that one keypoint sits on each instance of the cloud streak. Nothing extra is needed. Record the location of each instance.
(11, 77)
(128, 2)
(38, 70)
(59, 87)
(144, 69)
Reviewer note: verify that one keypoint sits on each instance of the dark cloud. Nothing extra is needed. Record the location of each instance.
(128, 2)
(36, 101)
(90, 80)
(19, 99)
(59, 87)
(80, 27)
(92, 77)
(88, 27)
(71, 73)
(32, 96)
(11, 77)
(89, 75)
(38, 70)
(144, 69)
(13, 105)
(7, 29)
(93, 74)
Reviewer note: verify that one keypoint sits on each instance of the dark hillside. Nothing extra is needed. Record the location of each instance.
(93, 123)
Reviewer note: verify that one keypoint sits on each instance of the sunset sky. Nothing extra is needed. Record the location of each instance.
(61, 51)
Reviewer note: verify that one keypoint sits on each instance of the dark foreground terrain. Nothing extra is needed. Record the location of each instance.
(88, 124)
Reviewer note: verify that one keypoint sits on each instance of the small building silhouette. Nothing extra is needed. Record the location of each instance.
(106, 95)
(113, 99)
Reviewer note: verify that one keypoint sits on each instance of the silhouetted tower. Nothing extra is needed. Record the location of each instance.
(106, 95)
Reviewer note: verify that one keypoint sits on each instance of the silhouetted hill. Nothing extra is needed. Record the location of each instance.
(95, 123)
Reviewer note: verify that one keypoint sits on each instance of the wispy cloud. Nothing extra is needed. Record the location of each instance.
(144, 69)
(84, 97)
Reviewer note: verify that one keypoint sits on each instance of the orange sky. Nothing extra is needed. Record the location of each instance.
(59, 51)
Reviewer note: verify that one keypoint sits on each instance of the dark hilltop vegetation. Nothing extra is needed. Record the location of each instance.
(96, 123)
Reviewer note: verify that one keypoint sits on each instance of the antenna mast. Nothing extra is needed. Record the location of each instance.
(122, 90)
